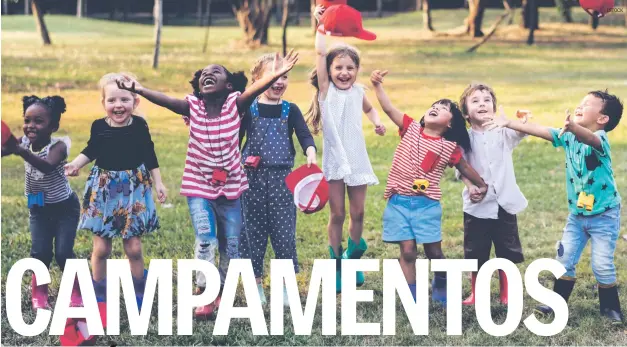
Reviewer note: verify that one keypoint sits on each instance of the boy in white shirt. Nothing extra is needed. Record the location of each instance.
(493, 219)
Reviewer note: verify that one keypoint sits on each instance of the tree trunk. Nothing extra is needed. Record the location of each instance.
(253, 17)
(533, 20)
(39, 21)
(284, 22)
(379, 8)
(5, 6)
(563, 7)
(475, 17)
(594, 22)
(158, 15)
(510, 9)
(199, 12)
(426, 15)
(79, 8)
(112, 9)
(296, 6)
(530, 14)
(314, 23)
(208, 23)
(26, 7)
(126, 10)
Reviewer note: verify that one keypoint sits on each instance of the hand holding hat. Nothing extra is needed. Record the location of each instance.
(310, 188)
(343, 20)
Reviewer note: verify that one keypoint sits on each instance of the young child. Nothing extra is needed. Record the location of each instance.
(593, 199)
(118, 194)
(338, 105)
(214, 179)
(413, 213)
(492, 220)
(54, 207)
(268, 205)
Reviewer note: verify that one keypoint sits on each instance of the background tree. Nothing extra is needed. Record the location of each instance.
(532, 8)
(475, 17)
(284, 21)
(39, 22)
(426, 14)
(208, 24)
(158, 15)
(253, 17)
(563, 7)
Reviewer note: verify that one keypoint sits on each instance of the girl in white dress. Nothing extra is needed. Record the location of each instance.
(337, 107)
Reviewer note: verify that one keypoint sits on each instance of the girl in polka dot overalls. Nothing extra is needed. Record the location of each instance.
(268, 157)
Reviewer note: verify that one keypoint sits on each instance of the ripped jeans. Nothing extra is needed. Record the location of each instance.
(217, 224)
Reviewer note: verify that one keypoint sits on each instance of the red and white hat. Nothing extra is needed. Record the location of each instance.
(329, 3)
(601, 7)
(76, 333)
(343, 20)
(310, 188)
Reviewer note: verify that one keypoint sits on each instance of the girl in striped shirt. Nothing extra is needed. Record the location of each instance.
(413, 214)
(54, 207)
(213, 179)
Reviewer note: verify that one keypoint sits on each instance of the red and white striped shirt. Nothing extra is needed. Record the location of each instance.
(213, 144)
(411, 152)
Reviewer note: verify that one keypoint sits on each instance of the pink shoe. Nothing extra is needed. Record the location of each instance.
(39, 295)
(75, 299)
(207, 311)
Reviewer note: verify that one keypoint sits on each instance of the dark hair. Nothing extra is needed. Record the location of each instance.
(471, 89)
(314, 116)
(612, 107)
(55, 104)
(457, 132)
(237, 79)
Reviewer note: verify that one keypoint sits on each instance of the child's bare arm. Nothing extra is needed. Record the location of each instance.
(526, 128)
(72, 168)
(582, 134)
(467, 171)
(248, 96)
(321, 65)
(377, 82)
(56, 154)
(175, 105)
(373, 116)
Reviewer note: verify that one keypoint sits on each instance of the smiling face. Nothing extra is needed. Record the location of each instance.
(119, 104)
(214, 79)
(438, 118)
(588, 113)
(343, 71)
(38, 124)
(479, 104)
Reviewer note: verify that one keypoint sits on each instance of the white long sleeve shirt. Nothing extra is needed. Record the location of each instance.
(491, 157)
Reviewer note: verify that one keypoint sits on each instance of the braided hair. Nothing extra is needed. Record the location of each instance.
(237, 79)
(55, 104)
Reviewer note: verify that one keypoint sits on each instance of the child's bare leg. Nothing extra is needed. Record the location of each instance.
(357, 201)
(133, 251)
(337, 214)
(409, 254)
(101, 251)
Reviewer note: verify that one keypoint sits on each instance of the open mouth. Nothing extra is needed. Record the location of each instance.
(31, 134)
(277, 89)
(433, 114)
(344, 79)
(482, 111)
(209, 81)
(119, 113)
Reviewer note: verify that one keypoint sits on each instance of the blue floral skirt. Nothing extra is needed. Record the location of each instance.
(118, 203)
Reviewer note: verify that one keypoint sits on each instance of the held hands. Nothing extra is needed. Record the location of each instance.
(379, 129)
(281, 66)
(311, 156)
(162, 192)
(71, 169)
(477, 194)
(377, 76)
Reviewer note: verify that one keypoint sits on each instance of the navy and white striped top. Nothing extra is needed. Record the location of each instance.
(54, 185)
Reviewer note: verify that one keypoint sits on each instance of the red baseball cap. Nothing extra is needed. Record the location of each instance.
(310, 188)
(76, 334)
(602, 7)
(343, 20)
(329, 3)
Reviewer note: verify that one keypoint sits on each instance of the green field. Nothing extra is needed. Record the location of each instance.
(553, 75)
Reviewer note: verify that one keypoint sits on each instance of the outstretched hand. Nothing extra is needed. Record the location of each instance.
(132, 86)
(497, 122)
(566, 124)
(70, 169)
(281, 66)
(377, 76)
(318, 12)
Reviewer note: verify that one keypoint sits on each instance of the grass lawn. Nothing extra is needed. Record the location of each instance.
(553, 75)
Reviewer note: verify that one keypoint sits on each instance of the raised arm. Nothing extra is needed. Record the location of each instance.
(377, 82)
(175, 105)
(526, 128)
(280, 67)
(321, 64)
(582, 134)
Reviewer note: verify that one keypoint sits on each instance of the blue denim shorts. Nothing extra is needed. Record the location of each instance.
(412, 218)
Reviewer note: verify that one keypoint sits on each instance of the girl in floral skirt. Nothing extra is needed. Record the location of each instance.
(118, 194)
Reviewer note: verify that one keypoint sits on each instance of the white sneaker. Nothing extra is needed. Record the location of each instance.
(262, 295)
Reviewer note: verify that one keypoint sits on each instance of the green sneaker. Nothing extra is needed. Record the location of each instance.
(355, 252)
(262, 295)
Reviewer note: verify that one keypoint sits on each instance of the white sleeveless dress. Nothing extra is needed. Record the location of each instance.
(344, 155)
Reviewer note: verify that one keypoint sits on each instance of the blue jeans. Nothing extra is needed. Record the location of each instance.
(217, 224)
(54, 224)
(603, 230)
